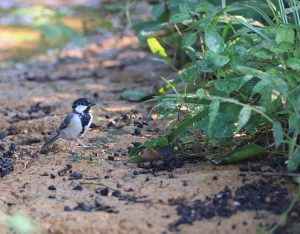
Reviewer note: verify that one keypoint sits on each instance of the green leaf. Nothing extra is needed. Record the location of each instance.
(296, 52)
(262, 54)
(244, 117)
(57, 30)
(285, 35)
(185, 124)
(189, 39)
(213, 40)
(291, 77)
(179, 18)
(244, 80)
(213, 111)
(21, 224)
(239, 154)
(226, 85)
(254, 72)
(78, 41)
(187, 139)
(283, 47)
(293, 121)
(204, 6)
(223, 126)
(160, 141)
(156, 47)
(146, 29)
(257, 30)
(298, 181)
(134, 95)
(294, 161)
(200, 93)
(188, 74)
(33, 11)
(106, 24)
(293, 63)
(268, 78)
(216, 60)
(112, 7)
(277, 133)
(221, 60)
(158, 10)
(256, 8)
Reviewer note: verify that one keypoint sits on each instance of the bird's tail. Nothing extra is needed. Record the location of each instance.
(49, 143)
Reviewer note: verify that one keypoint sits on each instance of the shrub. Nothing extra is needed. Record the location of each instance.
(238, 70)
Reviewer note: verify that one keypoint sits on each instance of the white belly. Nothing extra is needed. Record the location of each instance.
(73, 130)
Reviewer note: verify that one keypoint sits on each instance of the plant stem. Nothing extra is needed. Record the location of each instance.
(127, 12)
(284, 216)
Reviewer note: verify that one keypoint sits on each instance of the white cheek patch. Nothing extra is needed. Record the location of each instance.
(80, 108)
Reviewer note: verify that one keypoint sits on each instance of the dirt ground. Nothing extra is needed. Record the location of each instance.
(99, 191)
(133, 200)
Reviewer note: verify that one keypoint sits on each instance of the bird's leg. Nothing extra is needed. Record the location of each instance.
(81, 144)
(71, 151)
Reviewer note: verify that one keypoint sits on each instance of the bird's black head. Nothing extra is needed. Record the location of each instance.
(82, 105)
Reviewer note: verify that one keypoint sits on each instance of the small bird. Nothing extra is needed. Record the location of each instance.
(74, 125)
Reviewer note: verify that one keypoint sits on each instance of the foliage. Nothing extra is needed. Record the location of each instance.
(19, 224)
(241, 153)
(60, 25)
(134, 95)
(48, 22)
(238, 63)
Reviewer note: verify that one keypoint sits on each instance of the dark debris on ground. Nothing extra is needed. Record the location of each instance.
(6, 160)
(257, 195)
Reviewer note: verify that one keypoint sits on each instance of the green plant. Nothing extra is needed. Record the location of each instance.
(19, 224)
(48, 22)
(238, 66)
(237, 70)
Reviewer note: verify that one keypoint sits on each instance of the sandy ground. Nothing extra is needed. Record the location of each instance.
(27, 190)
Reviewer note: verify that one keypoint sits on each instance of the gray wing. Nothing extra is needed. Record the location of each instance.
(66, 122)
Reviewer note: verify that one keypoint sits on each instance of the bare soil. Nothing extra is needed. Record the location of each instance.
(99, 191)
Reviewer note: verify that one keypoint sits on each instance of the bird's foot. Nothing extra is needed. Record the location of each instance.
(87, 147)
(71, 151)
(83, 146)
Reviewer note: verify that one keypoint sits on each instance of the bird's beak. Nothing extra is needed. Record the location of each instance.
(92, 104)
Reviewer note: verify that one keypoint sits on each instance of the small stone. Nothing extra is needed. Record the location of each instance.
(68, 208)
(51, 187)
(255, 167)
(76, 175)
(111, 158)
(102, 190)
(116, 193)
(137, 132)
(244, 168)
(78, 187)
